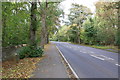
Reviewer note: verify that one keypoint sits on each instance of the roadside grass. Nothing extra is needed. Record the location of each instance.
(110, 48)
(22, 69)
(105, 47)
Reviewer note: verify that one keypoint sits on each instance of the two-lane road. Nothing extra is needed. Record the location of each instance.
(89, 62)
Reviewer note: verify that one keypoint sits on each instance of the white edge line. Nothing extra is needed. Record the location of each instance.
(68, 64)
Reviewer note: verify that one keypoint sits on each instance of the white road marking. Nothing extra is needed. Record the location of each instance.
(117, 64)
(84, 52)
(75, 74)
(97, 57)
(107, 57)
(91, 52)
(110, 58)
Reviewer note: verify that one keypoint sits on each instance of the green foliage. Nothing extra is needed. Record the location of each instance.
(89, 33)
(118, 38)
(101, 29)
(15, 22)
(72, 33)
(52, 18)
(78, 15)
(66, 33)
(30, 51)
(37, 52)
(22, 21)
(23, 52)
(62, 34)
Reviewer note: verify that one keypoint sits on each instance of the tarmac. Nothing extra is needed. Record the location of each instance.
(51, 66)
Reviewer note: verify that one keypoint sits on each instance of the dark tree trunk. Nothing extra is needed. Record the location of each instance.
(33, 24)
(46, 36)
(47, 39)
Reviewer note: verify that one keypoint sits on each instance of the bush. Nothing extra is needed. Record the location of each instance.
(30, 51)
(37, 52)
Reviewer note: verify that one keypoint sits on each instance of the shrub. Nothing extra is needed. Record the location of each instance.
(37, 52)
(30, 51)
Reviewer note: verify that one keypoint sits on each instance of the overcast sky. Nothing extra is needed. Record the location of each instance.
(66, 5)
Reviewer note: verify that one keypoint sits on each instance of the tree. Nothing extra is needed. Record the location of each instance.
(90, 33)
(33, 24)
(43, 7)
(49, 19)
(107, 20)
(15, 26)
(118, 32)
(78, 14)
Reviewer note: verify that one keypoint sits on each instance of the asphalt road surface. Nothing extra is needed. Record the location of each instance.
(90, 62)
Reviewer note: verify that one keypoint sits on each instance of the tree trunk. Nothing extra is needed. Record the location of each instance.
(43, 31)
(44, 27)
(33, 24)
(78, 39)
(47, 38)
(46, 34)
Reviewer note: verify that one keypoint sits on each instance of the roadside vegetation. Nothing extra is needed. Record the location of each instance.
(110, 48)
(30, 24)
(98, 30)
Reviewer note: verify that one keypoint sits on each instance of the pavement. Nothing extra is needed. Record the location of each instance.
(90, 62)
(51, 66)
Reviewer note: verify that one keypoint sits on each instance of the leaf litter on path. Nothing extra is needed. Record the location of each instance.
(22, 69)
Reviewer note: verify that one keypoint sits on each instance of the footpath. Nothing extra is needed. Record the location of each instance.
(51, 66)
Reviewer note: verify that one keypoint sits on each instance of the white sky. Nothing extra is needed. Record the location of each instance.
(66, 5)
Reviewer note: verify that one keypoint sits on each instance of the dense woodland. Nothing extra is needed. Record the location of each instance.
(34, 23)
(24, 22)
(84, 27)
(30, 23)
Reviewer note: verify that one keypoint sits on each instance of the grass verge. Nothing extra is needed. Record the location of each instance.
(110, 48)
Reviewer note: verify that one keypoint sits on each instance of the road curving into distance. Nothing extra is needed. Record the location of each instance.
(89, 62)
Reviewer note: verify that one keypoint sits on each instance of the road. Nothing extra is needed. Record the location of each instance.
(50, 66)
(90, 62)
